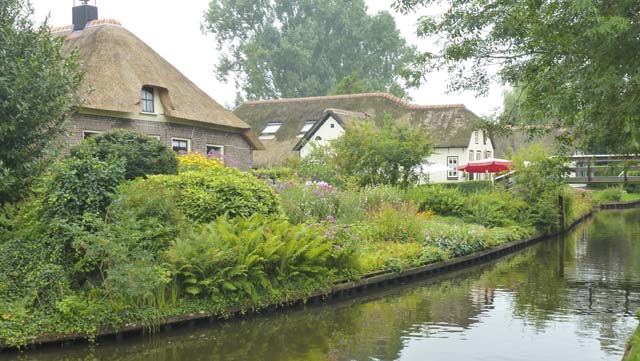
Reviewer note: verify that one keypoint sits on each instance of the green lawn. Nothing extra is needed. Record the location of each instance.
(611, 195)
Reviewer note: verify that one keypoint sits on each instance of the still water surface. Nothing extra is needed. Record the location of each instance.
(572, 298)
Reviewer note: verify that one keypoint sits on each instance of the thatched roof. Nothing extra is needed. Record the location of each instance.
(118, 64)
(520, 138)
(448, 125)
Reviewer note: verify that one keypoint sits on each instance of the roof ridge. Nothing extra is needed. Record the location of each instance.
(108, 21)
(97, 22)
(401, 102)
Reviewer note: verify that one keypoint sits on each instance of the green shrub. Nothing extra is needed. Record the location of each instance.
(539, 181)
(145, 215)
(318, 166)
(459, 239)
(275, 174)
(470, 187)
(80, 185)
(375, 197)
(442, 201)
(247, 259)
(143, 155)
(495, 209)
(611, 194)
(456, 239)
(209, 193)
(313, 202)
(399, 224)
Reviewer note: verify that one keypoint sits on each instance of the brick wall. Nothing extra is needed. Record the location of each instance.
(235, 146)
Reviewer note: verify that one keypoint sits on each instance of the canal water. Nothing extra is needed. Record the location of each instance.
(571, 298)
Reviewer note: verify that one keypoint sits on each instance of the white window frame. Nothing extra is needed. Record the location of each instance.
(476, 135)
(487, 154)
(452, 172)
(181, 140)
(478, 155)
(471, 155)
(217, 146)
(94, 132)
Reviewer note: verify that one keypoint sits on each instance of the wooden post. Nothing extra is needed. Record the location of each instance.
(563, 214)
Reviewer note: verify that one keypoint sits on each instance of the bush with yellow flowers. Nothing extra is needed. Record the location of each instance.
(198, 161)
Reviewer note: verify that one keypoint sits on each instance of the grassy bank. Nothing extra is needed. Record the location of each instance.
(615, 194)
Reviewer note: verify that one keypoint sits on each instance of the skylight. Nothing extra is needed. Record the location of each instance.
(307, 125)
(272, 128)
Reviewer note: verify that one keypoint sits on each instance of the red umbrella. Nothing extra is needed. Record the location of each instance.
(490, 165)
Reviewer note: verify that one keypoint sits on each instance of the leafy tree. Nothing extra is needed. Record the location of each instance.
(295, 48)
(576, 61)
(37, 94)
(391, 154)
(350, 84)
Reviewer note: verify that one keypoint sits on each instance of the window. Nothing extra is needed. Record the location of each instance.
(452, 163)
(270, 130)
(476, 135)
(215, 150)
(86, 134)
(471, 156)
(307, 126)
(147, 100)
(180, 145)
(487, 154)
(333, 125)
(479, 155)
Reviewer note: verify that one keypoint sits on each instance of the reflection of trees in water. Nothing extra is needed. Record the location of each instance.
(595, 278)
(353, 330)
(585, 278)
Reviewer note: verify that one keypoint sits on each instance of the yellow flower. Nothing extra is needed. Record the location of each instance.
(195, 161)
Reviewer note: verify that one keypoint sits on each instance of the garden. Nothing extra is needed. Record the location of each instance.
(122, 230)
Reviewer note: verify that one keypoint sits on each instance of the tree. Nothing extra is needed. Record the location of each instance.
(351, 84)
(576, 61)
(391, 154)
(296, 48)
(38, 87)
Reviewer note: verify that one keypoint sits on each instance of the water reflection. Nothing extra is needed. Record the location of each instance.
(570, 298)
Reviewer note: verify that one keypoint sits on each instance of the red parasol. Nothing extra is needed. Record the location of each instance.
(490, 165)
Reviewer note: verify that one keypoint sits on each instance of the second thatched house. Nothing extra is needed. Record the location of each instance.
(127, 85)
(288, 127)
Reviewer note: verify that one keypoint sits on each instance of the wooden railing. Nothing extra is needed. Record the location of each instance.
(591, 169)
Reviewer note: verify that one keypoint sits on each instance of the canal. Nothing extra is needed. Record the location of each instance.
(571, 298)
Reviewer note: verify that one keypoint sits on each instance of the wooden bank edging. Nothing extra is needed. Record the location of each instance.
(621, 205)
(374, 279)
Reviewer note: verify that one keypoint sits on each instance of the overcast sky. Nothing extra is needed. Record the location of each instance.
(172, 28)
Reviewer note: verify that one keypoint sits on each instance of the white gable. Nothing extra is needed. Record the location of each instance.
(328, 131)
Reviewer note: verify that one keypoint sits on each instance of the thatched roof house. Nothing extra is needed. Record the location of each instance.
(128, 85)
(450, 126)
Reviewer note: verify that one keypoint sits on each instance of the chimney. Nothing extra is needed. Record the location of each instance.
(83, 14)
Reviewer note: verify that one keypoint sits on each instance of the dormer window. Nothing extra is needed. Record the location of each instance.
(270, 130)
(147, 100)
